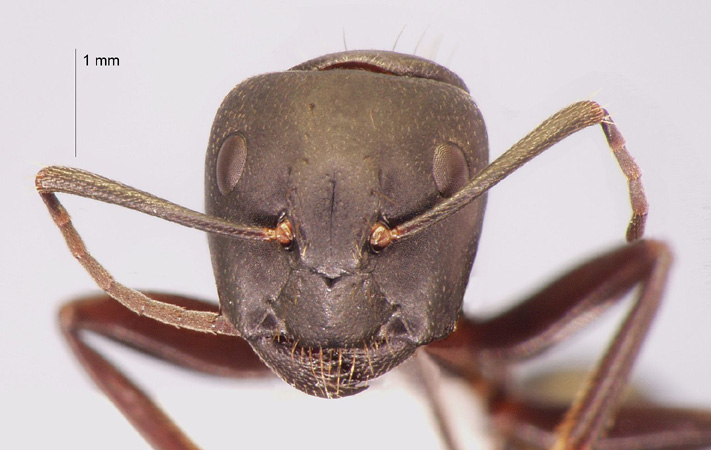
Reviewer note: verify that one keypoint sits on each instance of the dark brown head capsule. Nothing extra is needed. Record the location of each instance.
(323, 153)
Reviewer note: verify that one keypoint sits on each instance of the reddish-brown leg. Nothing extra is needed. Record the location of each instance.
(482, 350)
(530, 424)
(214, 354)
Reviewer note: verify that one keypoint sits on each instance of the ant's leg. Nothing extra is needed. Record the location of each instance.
(527, 424)
(427, 379)
(214, 354)
(480, 350)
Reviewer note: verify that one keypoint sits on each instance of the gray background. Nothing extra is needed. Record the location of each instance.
(146, 124)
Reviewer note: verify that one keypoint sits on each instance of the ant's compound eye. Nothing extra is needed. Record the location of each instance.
(284, 233)
(449, 169)
(380, 236)
(230, 162)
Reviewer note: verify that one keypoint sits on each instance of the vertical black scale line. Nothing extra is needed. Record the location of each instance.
(75, 103)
